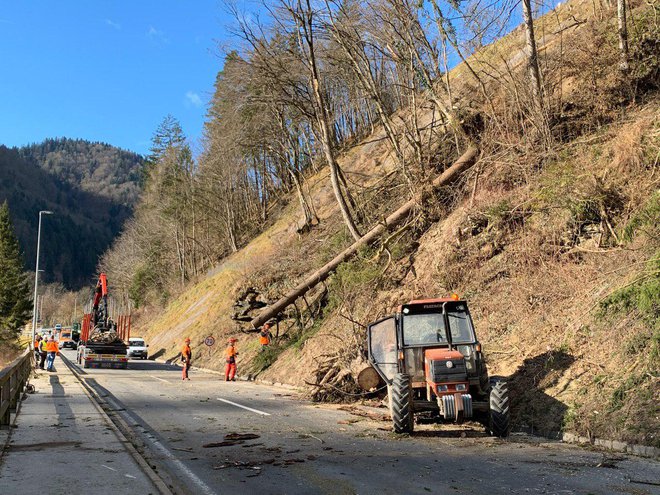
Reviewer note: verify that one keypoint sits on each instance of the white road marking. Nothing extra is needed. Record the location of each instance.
(129, 476)
(244, 407)
(161, 379)
(108, 467)
(159, 446)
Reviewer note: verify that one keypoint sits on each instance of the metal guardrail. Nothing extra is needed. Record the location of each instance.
(13, 380)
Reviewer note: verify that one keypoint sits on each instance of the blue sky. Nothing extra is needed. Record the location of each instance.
(106, 70)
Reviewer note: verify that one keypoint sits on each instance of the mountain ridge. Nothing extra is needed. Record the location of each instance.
(91, 188)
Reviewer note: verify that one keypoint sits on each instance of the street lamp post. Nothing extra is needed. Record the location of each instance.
(36, 276)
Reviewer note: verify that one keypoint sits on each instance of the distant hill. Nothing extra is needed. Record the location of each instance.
(91, 188)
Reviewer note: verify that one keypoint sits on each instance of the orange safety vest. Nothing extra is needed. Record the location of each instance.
(264, 338)
(51, 346)
(231, 354)
(186, 352)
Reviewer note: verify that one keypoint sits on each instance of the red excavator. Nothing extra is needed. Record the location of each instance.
(102, 339)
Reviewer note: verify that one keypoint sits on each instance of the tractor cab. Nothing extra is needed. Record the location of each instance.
(430, 358)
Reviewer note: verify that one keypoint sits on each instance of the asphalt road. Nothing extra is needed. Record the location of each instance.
(300, 447)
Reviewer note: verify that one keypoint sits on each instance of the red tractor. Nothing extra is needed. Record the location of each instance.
(430, 358)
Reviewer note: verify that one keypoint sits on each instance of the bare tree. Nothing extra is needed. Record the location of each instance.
(623, 36)
(303, 16)
(532, 56)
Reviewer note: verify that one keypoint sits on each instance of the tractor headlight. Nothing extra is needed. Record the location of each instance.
(442, 388)
(450, 364)
(468, 365)
(460, 386)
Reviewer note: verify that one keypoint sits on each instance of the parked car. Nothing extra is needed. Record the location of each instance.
(68, 344)
(137, 348)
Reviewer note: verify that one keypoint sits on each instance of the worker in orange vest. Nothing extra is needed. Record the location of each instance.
(52, 350)
(186, 357)
(265, 337)
(230, 355)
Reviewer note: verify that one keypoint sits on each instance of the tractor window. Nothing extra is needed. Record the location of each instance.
(419, 329)
(461, 326)
(382, 346)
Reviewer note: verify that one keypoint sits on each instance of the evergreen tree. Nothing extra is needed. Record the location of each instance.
(15, 300)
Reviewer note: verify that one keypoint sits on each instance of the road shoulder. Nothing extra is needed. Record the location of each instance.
(63, 441)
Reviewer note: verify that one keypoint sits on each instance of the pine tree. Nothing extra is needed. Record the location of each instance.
(15, 300)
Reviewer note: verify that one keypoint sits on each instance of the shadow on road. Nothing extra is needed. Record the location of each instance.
(532, 410)
(136, 364)
(467, 432)
(160, 353)
(157, 354)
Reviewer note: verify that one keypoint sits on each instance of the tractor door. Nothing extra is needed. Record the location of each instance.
(382, 340)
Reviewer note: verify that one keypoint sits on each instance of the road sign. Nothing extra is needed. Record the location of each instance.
(209, 341)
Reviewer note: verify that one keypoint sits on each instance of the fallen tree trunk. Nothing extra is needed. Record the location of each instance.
(447, 177)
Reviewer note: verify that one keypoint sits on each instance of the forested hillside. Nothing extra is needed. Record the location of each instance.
(332, 115)
(91, 188)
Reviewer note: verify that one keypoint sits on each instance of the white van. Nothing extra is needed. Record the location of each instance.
(136, 348)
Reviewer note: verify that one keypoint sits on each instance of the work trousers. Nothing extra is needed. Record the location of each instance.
(230, 371)
(42, 355)
(184, 370)
(50, 360)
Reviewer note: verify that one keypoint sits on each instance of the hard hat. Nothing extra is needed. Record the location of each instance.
(187, 339)
(232, 340)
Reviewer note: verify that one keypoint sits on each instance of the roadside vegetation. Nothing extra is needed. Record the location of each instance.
(15, 300)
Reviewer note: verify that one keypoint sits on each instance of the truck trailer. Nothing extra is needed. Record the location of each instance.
(103, 340)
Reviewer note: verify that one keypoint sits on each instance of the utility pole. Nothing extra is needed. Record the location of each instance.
(40, 313)
(36, 276)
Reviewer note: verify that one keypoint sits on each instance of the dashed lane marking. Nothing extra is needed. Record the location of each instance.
(244, 407)
(161, 379)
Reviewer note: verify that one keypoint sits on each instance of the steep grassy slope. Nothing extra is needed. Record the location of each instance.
(555, 247)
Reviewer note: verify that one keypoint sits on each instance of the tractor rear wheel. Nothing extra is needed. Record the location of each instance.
(499, 408)
(401, 403)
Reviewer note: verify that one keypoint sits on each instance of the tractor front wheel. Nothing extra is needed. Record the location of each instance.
(499, 408)
(401, 403)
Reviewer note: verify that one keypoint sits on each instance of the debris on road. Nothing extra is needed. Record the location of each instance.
(232, 439)
(365, 414)
(241, 436)
(645, 482)
(309, 435)
(221, 444)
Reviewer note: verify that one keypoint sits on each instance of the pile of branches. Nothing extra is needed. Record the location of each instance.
(335, 376)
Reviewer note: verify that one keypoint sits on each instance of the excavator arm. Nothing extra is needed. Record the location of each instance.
(100, 306)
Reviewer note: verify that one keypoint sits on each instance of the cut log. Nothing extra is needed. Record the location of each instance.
(447, 177)
(368, 379)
